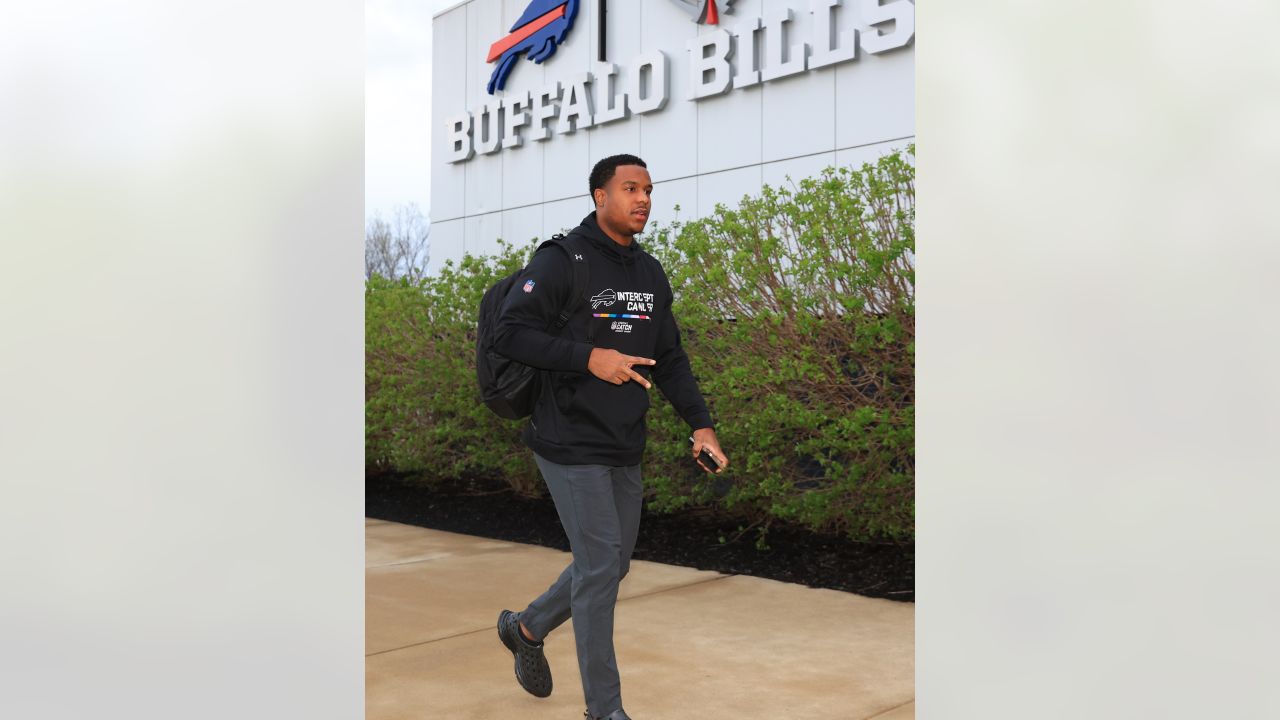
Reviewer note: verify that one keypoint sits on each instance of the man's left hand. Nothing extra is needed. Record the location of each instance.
(706, 438)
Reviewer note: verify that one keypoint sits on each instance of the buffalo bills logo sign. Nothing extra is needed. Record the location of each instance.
(537, 33)
(706, 12)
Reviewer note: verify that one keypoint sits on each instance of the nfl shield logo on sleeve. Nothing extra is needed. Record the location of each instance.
(528, 286)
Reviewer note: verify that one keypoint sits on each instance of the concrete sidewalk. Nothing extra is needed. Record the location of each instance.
(690, 643)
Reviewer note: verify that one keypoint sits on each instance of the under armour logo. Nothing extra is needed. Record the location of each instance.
(578, 258)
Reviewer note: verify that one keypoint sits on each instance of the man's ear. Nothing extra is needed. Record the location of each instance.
(597, 196)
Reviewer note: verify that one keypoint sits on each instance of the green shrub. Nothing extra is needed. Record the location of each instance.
(797, 310)
(422, 407)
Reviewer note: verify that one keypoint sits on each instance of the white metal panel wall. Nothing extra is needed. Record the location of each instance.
(729, 125)
(776, 174)
(522, 225)
(482, 233)
(446, 243)
(799, 112)
(448, 97)
(699, 152)
(522, 166)
(669, 137)
(667, 195)
(855, 157)
(566, 155)
(483, 172)
(726, 187)
(562, 216)
(622, 43)
(875, 97)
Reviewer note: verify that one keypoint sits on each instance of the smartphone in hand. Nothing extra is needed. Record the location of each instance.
(707, 461)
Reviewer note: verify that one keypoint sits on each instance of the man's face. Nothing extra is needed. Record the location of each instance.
(625, 207)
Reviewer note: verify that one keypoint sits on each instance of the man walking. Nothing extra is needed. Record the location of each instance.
(587, 431)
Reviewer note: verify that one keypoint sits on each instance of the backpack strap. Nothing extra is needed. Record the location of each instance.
(575, 248)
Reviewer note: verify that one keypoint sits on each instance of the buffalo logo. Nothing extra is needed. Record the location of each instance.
(607, 297)
(706, 12)
(542, 27)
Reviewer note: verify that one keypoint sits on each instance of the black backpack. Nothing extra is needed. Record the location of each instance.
(510, 388)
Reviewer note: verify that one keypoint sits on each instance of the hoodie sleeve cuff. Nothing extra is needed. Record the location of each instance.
(580, 356)
(700, 421)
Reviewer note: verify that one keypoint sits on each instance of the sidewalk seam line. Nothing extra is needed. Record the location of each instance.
(473, 632)
(446, 557)
(677, 587)
(889, 710)
(428, 642)
(407, 562)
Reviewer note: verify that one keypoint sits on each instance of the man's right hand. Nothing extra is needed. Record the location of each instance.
(614, 367)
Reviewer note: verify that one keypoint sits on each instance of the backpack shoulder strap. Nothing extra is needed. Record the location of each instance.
(575, 248)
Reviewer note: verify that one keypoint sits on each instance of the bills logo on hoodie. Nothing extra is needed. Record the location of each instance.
(635, 301)
(605, 297)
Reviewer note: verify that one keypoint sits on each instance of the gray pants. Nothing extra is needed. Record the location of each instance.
(599, 507)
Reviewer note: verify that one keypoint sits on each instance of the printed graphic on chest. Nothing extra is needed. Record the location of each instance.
(624, 304)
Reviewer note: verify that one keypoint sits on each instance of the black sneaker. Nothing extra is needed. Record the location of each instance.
(532, 671)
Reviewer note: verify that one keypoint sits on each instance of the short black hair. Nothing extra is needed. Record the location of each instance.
(603, 171)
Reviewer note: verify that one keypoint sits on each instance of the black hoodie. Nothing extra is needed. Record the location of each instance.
(580, 419)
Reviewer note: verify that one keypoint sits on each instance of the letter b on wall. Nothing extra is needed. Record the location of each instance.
(458, 138)
(709, 72)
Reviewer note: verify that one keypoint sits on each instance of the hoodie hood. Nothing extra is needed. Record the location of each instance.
(623, 255)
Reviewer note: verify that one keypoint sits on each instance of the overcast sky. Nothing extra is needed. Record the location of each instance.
(398, 103)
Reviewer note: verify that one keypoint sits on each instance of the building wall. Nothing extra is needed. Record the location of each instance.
(699, 152)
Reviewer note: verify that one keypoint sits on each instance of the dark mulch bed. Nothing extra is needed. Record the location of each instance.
(489, 508)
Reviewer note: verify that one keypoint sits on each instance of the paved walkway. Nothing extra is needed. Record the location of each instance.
(690, 643)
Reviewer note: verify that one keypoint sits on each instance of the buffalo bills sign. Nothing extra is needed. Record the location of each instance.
(542, 27)
(733, 53)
